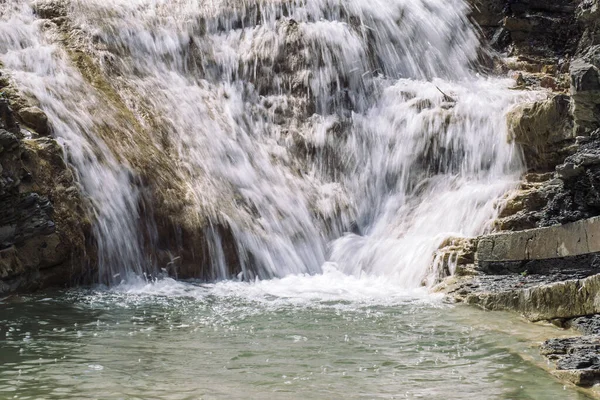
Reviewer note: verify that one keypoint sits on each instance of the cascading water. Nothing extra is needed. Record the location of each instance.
(292, 123)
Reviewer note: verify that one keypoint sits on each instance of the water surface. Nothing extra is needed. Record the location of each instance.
(324, 337)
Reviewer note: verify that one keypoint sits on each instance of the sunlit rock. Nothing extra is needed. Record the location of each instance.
(544, 129)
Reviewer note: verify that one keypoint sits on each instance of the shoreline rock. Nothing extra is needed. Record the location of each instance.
(545, 274)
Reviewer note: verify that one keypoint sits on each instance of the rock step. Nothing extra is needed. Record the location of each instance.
(577, 238)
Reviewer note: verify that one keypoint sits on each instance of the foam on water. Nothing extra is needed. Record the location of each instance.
(331, 289)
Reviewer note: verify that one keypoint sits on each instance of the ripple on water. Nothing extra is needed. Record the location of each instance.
(175, 340)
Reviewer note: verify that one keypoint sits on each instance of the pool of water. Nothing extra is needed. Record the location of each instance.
(323, 337)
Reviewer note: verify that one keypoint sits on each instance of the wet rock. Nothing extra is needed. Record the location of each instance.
(455, 256)
(529, 27)
(577, 359)
(49, 9)
(43, 227)
(35, 118)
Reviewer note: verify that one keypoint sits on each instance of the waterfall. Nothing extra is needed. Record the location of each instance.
(355, 134)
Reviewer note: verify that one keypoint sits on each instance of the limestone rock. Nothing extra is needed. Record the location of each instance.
(542, 128)
(36, 119)
(572, 239)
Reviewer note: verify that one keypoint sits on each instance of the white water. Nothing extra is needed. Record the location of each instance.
(291, 122)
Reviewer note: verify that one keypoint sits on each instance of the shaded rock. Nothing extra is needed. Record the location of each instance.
(585, 90)
(587, 325)
(534, 28)
(7, 118)
(578, 195)
(572, 195)
(36, 119)
(43, 228)
(8, 141)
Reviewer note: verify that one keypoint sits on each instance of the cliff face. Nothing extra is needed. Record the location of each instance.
(43, 228)
(555, 46)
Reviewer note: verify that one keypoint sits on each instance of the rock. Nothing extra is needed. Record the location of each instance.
(587, 325)
(8, 141)
(455, 256)
(7, 118)
(578, 238)
(542, 128)
(588, 11)
(578, 196)
(537, 29)
(568, 170)
(577, 359)
(43, 226)
(49, 9)
(554, 348)
(572, 195)
(544, 301)
(488, 14)
(35, 118)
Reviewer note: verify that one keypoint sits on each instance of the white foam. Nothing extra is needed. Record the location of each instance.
(332, 288)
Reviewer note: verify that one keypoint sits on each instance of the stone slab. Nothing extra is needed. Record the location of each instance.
(577, 238)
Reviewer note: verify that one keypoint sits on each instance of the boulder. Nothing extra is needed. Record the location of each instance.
(36, 119)
(544, 130)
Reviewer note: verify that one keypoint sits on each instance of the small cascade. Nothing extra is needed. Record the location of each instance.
(355, 134)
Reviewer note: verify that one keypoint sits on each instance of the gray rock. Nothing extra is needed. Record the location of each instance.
(587, 325)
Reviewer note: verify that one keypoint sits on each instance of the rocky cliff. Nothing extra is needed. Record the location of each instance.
(44, 231)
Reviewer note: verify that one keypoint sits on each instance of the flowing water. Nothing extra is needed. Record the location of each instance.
(355, 132)
(334, 145)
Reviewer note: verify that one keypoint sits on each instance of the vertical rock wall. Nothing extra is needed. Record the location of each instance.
(44, 234)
